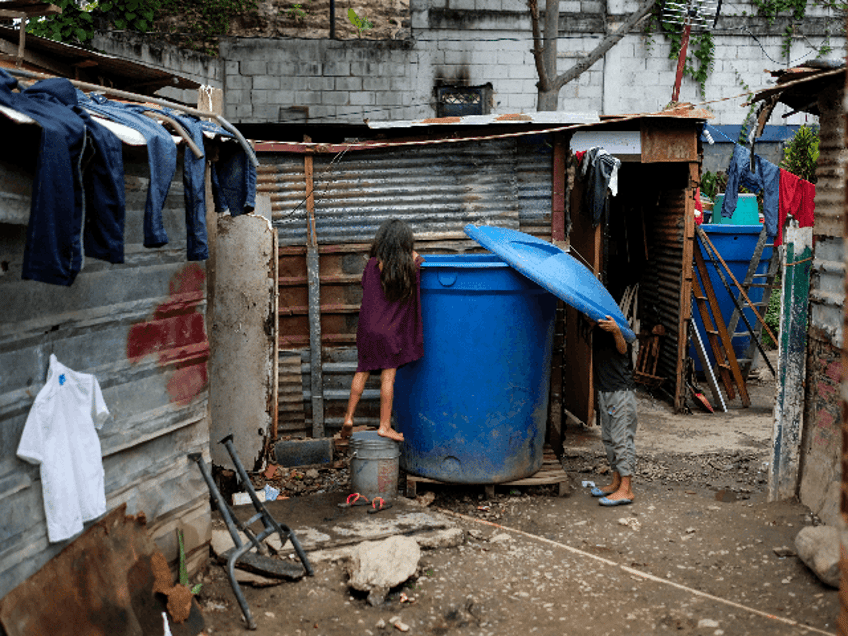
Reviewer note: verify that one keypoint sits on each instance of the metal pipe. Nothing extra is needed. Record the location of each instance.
(151, 100)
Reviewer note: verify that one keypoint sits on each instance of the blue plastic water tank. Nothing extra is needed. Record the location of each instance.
(473, 409)
(736, 244)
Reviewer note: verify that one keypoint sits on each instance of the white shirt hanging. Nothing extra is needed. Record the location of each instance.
(60, 436)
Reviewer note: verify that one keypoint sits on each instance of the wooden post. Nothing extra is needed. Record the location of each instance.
(685, 299)
(791, 364)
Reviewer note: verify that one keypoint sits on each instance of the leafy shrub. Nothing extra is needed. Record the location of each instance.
(802, 153)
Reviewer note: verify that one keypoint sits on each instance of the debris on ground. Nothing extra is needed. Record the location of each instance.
(377, 566)
(818, 548)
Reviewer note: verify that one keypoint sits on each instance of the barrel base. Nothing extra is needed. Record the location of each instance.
(551, 473)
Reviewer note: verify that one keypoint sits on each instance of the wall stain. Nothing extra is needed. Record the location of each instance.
(176, 333)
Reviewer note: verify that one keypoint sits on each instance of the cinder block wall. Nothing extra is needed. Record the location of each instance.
(479, 42)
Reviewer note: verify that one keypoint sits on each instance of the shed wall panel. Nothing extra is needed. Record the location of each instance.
(139, 327)
(436, 189)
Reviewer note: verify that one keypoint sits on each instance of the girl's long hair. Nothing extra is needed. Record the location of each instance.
(392, 247)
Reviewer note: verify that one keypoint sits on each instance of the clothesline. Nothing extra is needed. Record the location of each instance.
(146, 99)
(79, 209)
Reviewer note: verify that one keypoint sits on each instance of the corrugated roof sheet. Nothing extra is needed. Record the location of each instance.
(560, 117)
(122, 74)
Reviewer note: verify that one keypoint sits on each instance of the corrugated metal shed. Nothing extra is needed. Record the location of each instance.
(438, 182)
(437, 189)
(140, 329)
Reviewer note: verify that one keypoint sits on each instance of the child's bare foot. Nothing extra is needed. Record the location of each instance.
(347, 430)
(390, 433)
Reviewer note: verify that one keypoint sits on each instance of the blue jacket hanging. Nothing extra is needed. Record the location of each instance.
(233, 180)
(161, 155)
(52, 253)
(766, 177)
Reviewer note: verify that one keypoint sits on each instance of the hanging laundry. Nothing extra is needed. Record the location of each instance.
(233, 181)
(52, 253)
(60, 436)
(104, 190)
(765, 178)
(194, 186)
(600, 170)
(798, 198)
(161, 155)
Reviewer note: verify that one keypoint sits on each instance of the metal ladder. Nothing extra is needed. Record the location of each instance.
(717, 333)
(747, 359)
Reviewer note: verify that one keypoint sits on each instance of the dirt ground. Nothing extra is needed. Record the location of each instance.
(700, 552)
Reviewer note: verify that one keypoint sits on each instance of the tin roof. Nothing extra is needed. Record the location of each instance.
(74, 62)
(798, 87)
(542, 117)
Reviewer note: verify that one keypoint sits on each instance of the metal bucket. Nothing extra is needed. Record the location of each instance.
(374, 465)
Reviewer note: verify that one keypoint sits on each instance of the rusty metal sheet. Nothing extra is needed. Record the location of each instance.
(139, 327)
(666, 140)
(101, 584)
(437, 190)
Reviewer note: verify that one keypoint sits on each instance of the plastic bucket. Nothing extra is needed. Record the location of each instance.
(473, 410)
(374, 465)
(736, 245)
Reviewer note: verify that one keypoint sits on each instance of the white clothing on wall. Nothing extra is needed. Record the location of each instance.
(60, 436)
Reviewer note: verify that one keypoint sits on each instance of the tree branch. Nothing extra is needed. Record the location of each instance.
(538, 50)
(606, 44)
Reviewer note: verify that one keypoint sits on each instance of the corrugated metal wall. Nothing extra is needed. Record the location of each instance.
(140, 328)
(820, 466)
(436, 189)
(666, 284)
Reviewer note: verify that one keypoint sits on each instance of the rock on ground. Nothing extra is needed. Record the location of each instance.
(378, 566)
(818, 548)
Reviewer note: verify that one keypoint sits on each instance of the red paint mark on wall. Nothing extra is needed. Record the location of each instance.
(834, 371)
(827, 392)
(176, 333)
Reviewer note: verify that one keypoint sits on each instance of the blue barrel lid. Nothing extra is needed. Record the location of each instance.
(555, 270)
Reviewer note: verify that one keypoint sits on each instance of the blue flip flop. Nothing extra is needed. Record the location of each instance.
(604, 501)
(597, 492)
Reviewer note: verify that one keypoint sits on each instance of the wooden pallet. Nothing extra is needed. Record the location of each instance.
(551, 472)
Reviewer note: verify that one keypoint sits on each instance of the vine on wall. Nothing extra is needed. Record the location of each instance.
(201, 21)
(700, 57)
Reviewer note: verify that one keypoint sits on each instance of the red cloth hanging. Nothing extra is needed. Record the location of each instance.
(798, 198)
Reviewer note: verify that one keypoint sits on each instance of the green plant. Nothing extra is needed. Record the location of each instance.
(75, 25)
(700, 53)
(129, 15)
(183, 569)
(296, 12)
(360, 23)
(802, 153)
(713, 183)
(204, 21)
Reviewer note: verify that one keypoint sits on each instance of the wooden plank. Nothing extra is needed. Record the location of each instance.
(684, 314)
(550, 473)
(101, 583)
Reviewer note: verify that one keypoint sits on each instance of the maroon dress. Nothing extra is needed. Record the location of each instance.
(389, 334)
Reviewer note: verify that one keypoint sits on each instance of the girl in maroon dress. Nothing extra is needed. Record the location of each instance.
(390, 332)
